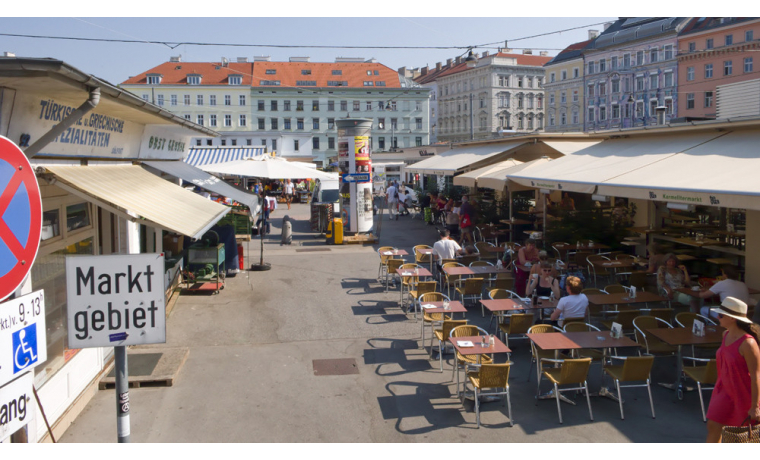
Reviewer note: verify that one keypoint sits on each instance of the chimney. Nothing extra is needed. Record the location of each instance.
(458, 59)
(438, 66)
(242, 59)
(592, 34)
(262, 58)
(527, 51)
(225, 62)
(544, 53)
(300, 59)
(402, 71)
(506, 50)
(424, 71)
(9, 54)
(485, 53)
(176, 58)
(448, 62)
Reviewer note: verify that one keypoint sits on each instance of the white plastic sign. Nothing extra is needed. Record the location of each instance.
(115, 300)
(23, 343)
(17, 407)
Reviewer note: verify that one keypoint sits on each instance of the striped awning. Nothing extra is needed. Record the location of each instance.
(200, 156)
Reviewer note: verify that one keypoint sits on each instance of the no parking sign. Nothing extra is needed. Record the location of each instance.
(20, 217)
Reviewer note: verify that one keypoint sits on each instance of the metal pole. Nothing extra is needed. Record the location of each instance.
(122, 394)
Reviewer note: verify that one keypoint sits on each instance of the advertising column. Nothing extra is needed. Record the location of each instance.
(355, 165)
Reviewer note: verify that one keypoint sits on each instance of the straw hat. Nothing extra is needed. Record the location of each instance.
(733, 308)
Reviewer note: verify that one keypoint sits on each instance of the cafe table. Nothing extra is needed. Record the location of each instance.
(604, 300)
(680, 336)
(472, 345)
(582, 247)
(455, 306)
(409, 272)
(556, 341)
(617, 264)
(395, 252)
(428, 251)
(513, 305)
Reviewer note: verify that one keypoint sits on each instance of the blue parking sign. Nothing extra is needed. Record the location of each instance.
(24, 348)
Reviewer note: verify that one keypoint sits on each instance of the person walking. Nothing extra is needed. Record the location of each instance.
(391, 197)
(289, 191)
(466, 223)
(736, 395)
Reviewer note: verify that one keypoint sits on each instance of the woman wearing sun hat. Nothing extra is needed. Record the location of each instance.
(736, 392)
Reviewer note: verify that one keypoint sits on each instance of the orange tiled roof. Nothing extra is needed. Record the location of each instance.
(522, 59)
(527, 59)
(287, 73)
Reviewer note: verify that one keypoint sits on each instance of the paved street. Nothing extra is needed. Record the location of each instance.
(249, 375)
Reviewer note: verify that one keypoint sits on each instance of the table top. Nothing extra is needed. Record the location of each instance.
(613, 299)
(624, 263)
(699, 243)
(685, 257)
(476, 349)
(720, 261)
(684, 336)
(575, 247)
(488, 270)
(397, 252)
(455, 306)
(578, 340)
(647, 230)
(411, 272)
(495, 305)
(516, 222)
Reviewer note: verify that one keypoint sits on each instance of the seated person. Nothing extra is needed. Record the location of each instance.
(545, 284)
(672, 276)
(656, 257)
(573, 305)
(446, 248)
(729, 287)
(537, 268)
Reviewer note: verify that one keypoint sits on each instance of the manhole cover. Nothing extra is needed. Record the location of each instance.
(140, 365)
(312, 249)
(343, 366)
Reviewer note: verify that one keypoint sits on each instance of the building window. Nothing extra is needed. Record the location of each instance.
(262, 123)
(668, 79)
(274, 145)
(575, 116)
(235, 80)
(331, 143)
(198, 142)
(668, 52)
(639, 58)
(314, 106)
(146, 97)
(273, 123)
(709, 44)
(749, 36)
(295, 144)
(193, 79)
(357, 106)
(305, 71)
(154, 79)
(562, 118)
(626, 61)
(228, 120)
(286, 106)
(615, 112)
(614, 62)
(381, 123)
(729, 39)
(563, 97)
(640, 83)
(330, 106)
(248, 142)
(273, 106)
(241, 99)
(708, 99)
(748, 65)
(315, 143)
(728, 68)
(299, 123)
(669, 106)
(418, 141)
(299, 106)
(199, 119)
(286, 123)
(344, 106)
(575, 95)
(223, 142)
(233, 141)
(692, 46)
(615, 86)
(271, 71)
(173, 99)
(241, 120)
(330, 123)
(161, 99)
(212, 120)
(199, 99)
(564, 75)
(228, 100)
(315, 123)
(602, 113)
(186, 99)
(381, 143)
(260, 105)
(212, 99)
(394, 123)
(590, 115)
(519, 82)
(369, 106)
(708, 70)
(639, 109)
(689, 73)
(653, 55)
(602, 65)
(551, 119)
(653, 81)
(602, 89)
(187, 116)
(690, 101)
(590, 90)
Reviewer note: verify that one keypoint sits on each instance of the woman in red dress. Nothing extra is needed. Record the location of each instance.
(736, 392)
(527, 253)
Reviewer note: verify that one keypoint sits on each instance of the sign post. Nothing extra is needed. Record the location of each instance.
(116, 300)
(20, 217)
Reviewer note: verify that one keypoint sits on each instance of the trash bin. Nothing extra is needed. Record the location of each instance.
(334, 232)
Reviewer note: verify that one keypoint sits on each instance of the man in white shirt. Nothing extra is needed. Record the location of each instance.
(289, 191)
(729, 287)
(391, 195)
(573, 305)
(446, 248)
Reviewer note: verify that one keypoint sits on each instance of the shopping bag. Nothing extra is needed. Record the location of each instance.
(745, 433)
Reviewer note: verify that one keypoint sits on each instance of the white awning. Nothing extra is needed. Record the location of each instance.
(198, 156)
(462, 159)
(497, 180)
(472, 178)
(269, 169)
(205, 180)
(585, 169)
(130, 189)
(721, 172)
(569, 147)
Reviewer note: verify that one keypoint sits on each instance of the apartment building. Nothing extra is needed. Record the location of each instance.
(714, 52)
(631, 70)
(290, 107)
(499, 92)
(564, 89)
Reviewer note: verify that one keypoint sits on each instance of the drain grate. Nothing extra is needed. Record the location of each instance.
(344, 366)
(312, 249)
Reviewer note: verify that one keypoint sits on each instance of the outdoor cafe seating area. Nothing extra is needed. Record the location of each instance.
(475, 326)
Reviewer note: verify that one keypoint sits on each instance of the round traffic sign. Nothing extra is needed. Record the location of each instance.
(20, 217)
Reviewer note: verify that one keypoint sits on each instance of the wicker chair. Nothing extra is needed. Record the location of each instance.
(518, 324)
(468, 259)
(431, 318)
(634, 369)
(472, 288)
(537, 353)
(703, 375)
(450, 279)
(494, 294)
(561, 253)
(422, 287)
(625, 319)
(442, 334)
(422, 259)
(595, 271)
(652, 344)
(467, 362)
(383, 268)
(597, 355)
(390, 274)
(570, 372)
(491, 376)
(408, 282)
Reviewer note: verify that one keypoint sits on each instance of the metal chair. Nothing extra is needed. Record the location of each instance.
(491, 376)
(462, 361)
(383, 268)
(595, 271)
(615, 289)
(442, 334)
(392, 266)
(625, 319)
(519, 323)
(703, 375)
(422, 259)
(431, 318)
(569, 372)
(537, 353)
(504, 281)
(472, 288)
(485, 254)
(634, 369)
(422, 287)
(408, 282)
(652, 344)
(450, 279)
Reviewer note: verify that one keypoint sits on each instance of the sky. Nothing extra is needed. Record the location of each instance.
(330, 27)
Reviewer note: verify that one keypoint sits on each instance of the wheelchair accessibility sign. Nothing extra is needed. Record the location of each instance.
(22, 335)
